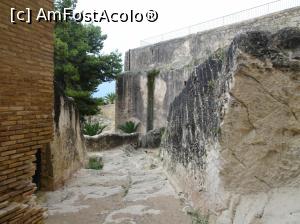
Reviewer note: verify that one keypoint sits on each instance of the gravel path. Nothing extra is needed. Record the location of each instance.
(130, 189)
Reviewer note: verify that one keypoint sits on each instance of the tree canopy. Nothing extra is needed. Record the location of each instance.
(80, 66)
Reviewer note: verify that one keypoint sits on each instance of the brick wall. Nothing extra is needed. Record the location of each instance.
(26, 102)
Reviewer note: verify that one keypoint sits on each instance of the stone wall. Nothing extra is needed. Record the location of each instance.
(105, 117)
(107, 141)
(67, 152)
(196, 48)
(232, 140)
(175, 60)
(132, 100)
(26, 102)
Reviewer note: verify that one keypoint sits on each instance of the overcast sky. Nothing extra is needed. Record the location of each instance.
(172, 15)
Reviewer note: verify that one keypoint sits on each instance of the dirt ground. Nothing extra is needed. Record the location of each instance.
(130, 189)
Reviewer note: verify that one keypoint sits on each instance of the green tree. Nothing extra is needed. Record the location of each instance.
(80, 66)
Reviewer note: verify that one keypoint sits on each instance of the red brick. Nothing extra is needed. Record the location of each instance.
(26, 74)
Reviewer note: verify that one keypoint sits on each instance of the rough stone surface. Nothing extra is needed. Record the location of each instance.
(151, 139)
(232, 140)
(105, 117)
(67, 151)
(131, 188)
(109, 141)
(132, 100)
(175, 59)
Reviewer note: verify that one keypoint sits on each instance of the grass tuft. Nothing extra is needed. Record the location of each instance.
(95, 163)
(197, 218)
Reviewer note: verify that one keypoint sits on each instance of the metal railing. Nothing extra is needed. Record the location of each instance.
(236, 17)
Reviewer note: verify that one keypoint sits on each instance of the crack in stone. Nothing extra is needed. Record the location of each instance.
(263, 181)
(127, 186)
(236, 204)
(236, 157)
(271, 95)
(259, 216)
(247, 110)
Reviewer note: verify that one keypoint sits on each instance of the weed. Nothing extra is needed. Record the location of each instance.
(93, 129)
(95, 163)
(129, 127)
(211, 84)
(197, 218)
(220, 54)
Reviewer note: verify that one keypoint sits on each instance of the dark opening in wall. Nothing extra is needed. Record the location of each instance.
(38, 169)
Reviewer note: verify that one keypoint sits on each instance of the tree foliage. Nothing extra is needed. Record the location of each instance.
(80, 65)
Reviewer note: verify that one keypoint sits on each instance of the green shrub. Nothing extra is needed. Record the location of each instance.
(129, 127)
(197, 218)
(100, 101)
(110, 98)
(95, 163)
(93, 129)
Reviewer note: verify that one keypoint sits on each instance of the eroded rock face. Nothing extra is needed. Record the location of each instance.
(260, 130)
(233, 133)
(105, 117)
(151, 139)
(67, 151)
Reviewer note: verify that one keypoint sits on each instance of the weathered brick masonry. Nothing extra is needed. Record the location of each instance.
(26, 102)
